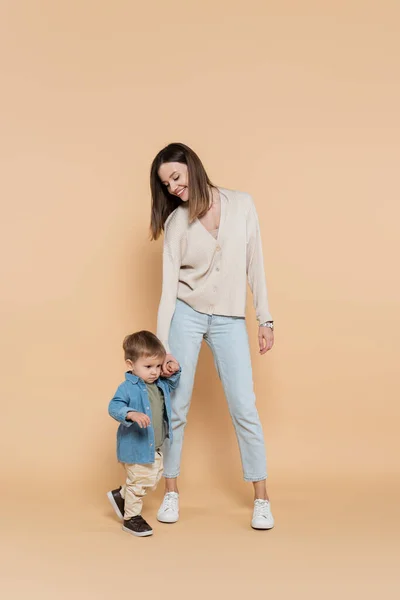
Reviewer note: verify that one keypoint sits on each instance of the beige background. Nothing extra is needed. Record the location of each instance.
(294, 102)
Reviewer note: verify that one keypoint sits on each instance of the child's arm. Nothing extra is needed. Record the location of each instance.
(119, 410)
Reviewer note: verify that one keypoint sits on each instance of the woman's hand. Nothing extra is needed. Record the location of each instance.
(265, 339)
(170, 366)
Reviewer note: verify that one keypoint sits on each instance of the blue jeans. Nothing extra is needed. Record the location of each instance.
(228, 340)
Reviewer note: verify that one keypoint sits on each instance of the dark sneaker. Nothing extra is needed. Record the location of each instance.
(137, 526)
(117, 502)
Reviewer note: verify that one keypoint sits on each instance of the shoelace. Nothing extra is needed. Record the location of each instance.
(170, 501)
(262, 509)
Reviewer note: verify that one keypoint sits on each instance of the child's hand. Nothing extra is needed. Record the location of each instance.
(140, 418)
(173, 366)
(170, 366)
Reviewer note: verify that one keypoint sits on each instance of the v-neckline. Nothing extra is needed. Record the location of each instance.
(221, 216)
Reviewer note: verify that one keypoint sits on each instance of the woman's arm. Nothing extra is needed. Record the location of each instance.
(255, 266)
(256, 277)
(171, 267)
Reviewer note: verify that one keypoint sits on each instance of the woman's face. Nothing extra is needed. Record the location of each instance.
(175, 178)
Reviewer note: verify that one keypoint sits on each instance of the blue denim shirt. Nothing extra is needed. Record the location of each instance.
(134, 444)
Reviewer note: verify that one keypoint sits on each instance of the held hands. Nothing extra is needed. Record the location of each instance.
(170, 366)
(265, 339)
(140, 418)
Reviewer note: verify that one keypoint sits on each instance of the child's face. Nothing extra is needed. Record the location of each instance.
(147, 368)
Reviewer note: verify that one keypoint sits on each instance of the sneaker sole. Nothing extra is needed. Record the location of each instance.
(171, 520)
(115, 506)
(137, 533)
(263, 528)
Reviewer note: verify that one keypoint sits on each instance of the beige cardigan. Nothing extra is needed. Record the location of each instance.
(210, 274)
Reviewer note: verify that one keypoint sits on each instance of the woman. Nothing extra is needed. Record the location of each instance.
(212, 246)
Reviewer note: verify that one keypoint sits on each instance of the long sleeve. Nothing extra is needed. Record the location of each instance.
(255, 266)
(173, 381)
(170, 281)
(118, 407)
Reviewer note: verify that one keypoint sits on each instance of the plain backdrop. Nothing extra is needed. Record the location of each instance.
(296, 103)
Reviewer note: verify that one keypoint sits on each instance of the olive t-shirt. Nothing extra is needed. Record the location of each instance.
(156, 400)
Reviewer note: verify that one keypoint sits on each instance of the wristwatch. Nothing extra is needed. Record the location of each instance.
(269, 324)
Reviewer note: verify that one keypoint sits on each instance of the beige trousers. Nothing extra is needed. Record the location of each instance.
(139, 479)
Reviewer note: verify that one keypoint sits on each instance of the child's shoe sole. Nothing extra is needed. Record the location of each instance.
(137, 534)
(115, 506)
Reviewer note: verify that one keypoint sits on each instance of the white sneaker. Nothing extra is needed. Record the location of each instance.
(262, 516)
(169, 509)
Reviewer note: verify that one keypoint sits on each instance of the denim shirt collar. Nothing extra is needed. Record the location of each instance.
(131, 377)
(135, 379)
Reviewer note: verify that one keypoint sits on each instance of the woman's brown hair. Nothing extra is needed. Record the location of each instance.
(164, 203)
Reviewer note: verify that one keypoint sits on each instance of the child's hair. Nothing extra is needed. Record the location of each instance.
(142, 344)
